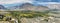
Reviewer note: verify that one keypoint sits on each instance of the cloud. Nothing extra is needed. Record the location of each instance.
(48, 3)
(24, 1)
(13, 1)
(8, 2)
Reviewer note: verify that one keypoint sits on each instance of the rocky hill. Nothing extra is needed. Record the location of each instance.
(28, 6)
(2, 8)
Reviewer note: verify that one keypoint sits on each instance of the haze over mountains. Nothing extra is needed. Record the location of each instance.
(47, 0)
(28, 6)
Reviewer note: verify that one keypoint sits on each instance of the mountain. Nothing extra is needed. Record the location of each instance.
(47, 0)
(2, 8)
(28, 6)
(54, 6)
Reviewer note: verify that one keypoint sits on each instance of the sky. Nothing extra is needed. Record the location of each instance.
(48, 0)
(13, 1)
(35, 2)
(24, 1)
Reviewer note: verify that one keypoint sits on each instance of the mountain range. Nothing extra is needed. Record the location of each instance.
(28, 6)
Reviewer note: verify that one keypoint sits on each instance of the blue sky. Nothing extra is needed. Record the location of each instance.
(7, 3)
(24, 1)
(47, 0)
